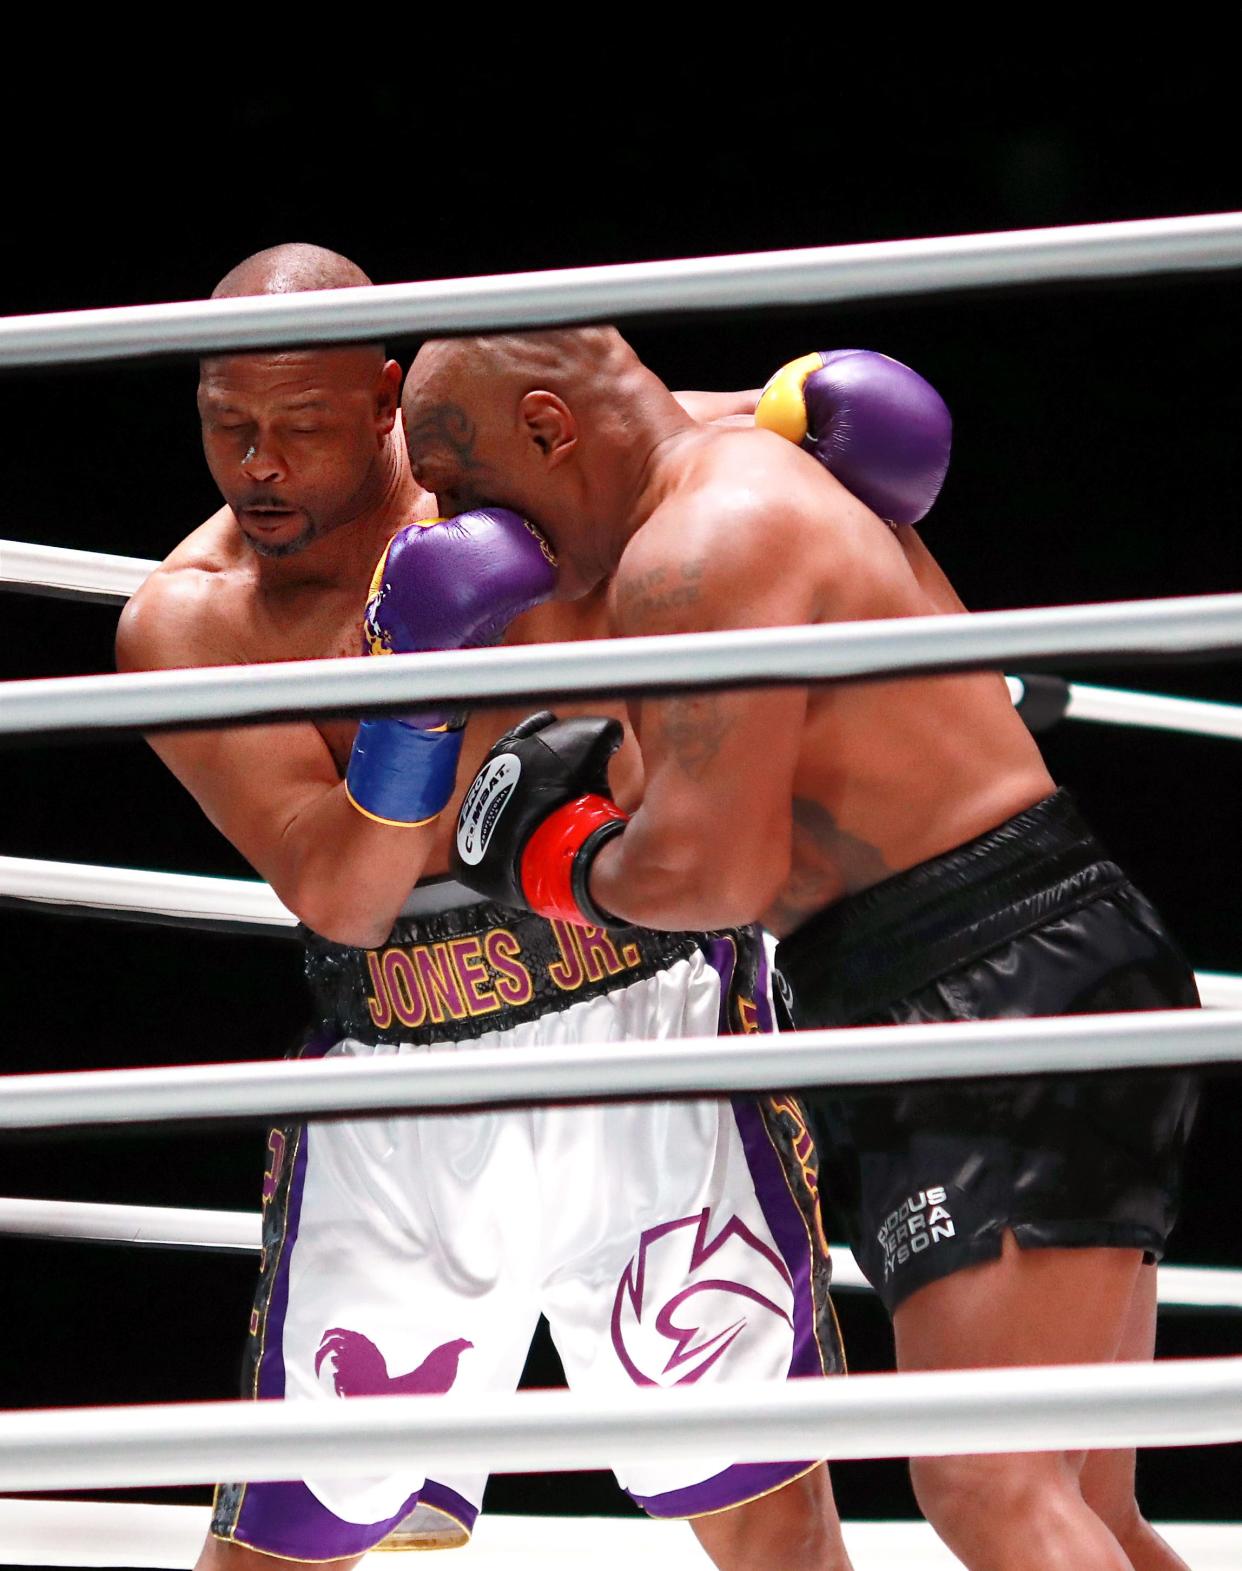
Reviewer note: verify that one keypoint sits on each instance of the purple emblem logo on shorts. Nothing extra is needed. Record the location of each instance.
(358, 1367)
(674, 1317)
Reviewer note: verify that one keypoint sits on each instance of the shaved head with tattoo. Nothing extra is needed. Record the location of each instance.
(560, 423)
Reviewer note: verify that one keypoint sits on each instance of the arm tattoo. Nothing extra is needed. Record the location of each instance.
(693, 729)
(657, 594)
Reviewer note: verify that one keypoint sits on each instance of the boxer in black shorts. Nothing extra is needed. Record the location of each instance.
(902, 838)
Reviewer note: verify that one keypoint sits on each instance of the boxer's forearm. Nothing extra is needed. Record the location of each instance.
(664, 876)
(342, 874)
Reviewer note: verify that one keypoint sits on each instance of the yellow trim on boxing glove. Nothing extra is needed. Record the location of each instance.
(782, 404)
(372, 637)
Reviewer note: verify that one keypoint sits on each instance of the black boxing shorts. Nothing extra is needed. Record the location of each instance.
(1029, 919)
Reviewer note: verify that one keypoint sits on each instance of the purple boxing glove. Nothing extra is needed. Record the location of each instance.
(450, 583)
(875, 424)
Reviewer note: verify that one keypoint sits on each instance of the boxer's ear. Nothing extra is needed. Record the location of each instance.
(387, 395)
(549, 425)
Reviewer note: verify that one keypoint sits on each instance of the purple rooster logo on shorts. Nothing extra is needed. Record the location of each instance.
(687, 1296)
(360, 1369)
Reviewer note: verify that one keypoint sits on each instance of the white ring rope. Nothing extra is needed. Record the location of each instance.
(1157, 711)
(247, 905)
(70, 706)
(814, 275)
(1153, 711)
(165, 1227)
(944, 1413)
(244, 903)
(1219, 990)
(92, 575)
(78, 575)
(241, 1232)
(432, 1080)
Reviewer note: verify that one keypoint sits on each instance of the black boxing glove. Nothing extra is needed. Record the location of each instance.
(536, 815)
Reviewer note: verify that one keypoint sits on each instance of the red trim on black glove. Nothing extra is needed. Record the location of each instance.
(549, 856)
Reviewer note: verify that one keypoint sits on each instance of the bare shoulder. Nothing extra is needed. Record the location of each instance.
(746, 535)
(192, 608)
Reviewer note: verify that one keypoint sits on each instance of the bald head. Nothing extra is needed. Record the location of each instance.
(557, 425)
(292, 269)
(299, 439)
(577, 364)
(473, 406)
(288, 270)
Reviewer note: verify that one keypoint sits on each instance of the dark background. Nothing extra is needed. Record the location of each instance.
(1096, 459)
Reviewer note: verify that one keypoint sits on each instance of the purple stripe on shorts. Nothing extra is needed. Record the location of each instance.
(286, 1519)
(734, 1487)
(748, 1480)
(319, 1043)
(763, 990)
(272, 1360)
(271, 1381)
(788, 1227)
(721, 955)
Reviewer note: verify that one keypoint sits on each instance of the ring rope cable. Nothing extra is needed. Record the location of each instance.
(1153, 711)
(240, 1232)
(245, 904)
(437, 1080)
(941, 1413)
(813, 275)
(75, 575)
(51, 707)
(91, 575)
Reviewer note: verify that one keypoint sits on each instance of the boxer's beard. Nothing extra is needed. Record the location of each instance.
(306, 536)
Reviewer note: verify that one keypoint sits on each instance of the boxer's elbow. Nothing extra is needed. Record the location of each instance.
(341, 922)
(724, 878)
(338, 910)
(343, 876)
(744, 888)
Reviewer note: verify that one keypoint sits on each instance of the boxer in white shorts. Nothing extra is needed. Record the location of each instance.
(369, 1225)
(667, 1243)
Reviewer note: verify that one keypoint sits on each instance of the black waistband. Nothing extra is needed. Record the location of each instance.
(872, 948)
(459, 972)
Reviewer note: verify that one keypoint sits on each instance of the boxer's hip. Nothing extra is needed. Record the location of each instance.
(1042, 868)
(455, 969)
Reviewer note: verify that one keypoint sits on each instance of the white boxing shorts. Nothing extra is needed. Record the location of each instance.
(667, 1243)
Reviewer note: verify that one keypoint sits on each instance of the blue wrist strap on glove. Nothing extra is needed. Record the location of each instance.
(402, 774)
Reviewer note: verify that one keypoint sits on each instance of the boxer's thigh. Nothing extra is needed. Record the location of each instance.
(945, 1169)
(400, 1267)
(683, 1249)
(1026, 1306)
